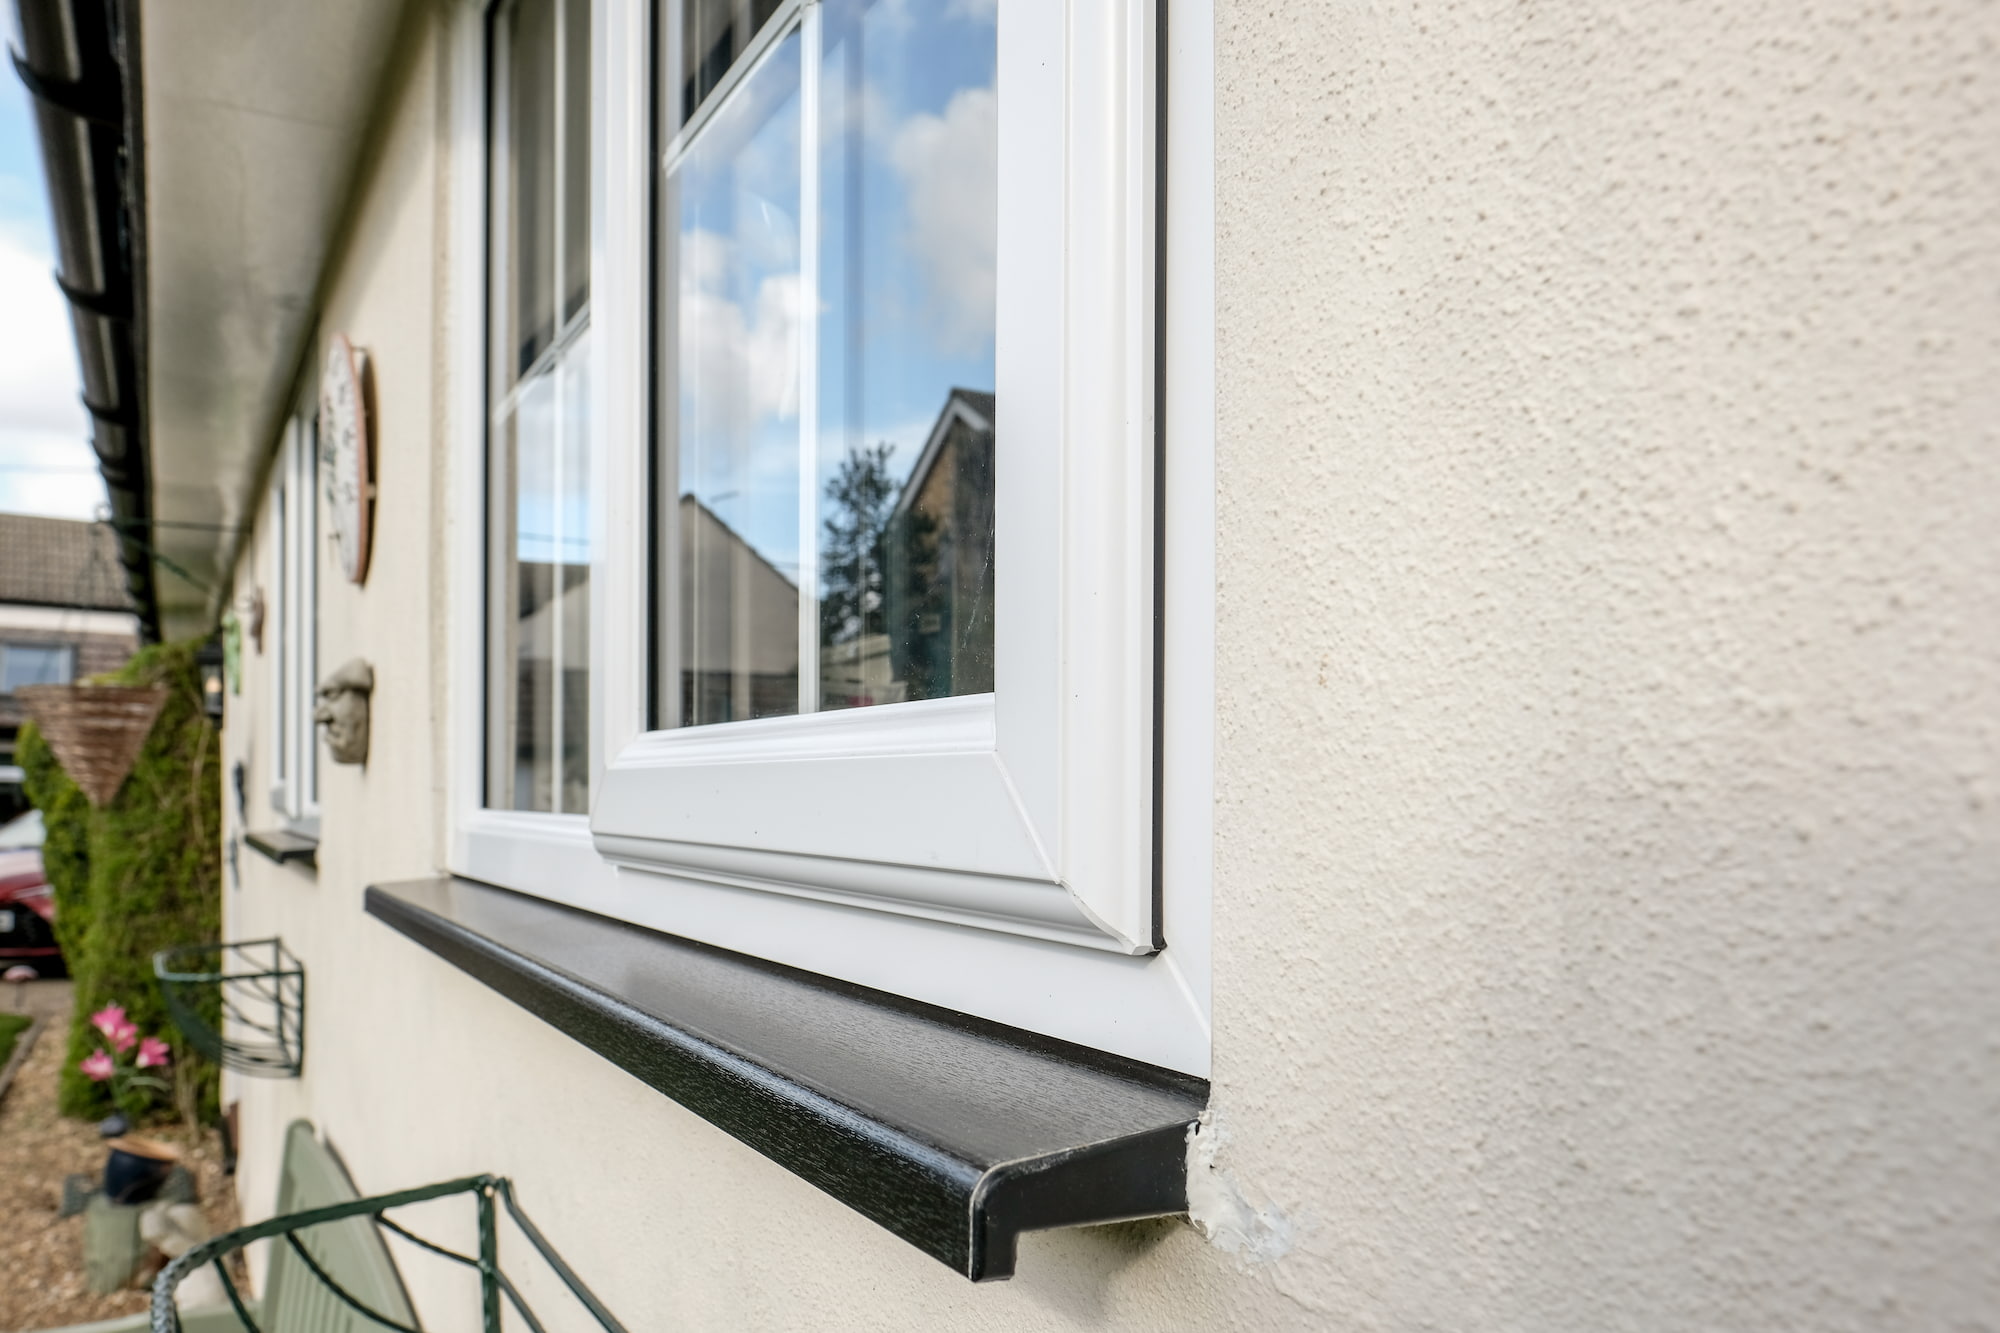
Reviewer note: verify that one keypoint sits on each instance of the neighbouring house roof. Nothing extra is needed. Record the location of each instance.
(60, 562)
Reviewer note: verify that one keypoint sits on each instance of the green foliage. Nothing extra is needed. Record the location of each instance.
(860, 497)
(140, 875)
(11, 1028)
(66, 846)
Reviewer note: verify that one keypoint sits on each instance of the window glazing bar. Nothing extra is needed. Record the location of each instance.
(808, 317)
(774, 30)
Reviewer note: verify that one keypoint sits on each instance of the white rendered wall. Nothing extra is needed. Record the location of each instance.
(1608, 913)
(1610, 675)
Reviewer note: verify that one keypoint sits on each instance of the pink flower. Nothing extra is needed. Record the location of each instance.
(123, 1036)
(109, 1019)
(97, 1066)
(152, 1051)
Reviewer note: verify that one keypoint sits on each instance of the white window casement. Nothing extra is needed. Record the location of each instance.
(291, 619)
(538, 535)
(863, 584)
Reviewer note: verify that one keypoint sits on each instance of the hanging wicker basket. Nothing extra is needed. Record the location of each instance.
(95, 731)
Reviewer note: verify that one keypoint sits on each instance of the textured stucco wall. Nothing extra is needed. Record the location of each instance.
(1608, 861)
(1607, 913)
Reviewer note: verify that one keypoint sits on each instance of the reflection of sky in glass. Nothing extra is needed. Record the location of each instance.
(733, 200)
(552, 471)
(907, 220)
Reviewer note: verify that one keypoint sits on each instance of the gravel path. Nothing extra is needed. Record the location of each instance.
(41, 1255)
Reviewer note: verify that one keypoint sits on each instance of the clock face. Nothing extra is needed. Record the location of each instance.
(343, 455)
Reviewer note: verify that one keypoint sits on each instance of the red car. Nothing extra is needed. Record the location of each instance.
(27, 908)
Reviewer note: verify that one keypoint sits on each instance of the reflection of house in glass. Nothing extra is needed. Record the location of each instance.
(740, 631)
(940, 557)
(924, 623)
(859, 672)
(553, 636)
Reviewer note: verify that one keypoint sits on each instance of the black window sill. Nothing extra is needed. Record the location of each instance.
(282, 845)
(954, 1133)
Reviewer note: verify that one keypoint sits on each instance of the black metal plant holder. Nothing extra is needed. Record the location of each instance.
(493, 1282)
(242, 1005)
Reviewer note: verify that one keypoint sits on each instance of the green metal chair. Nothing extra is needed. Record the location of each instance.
(331, 1273)
(351, 1251)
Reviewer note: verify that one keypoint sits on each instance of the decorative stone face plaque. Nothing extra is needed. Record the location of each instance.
(347, 472)
(343, 711)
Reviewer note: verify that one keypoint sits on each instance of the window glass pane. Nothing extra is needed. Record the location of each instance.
(538, 543)
(282, 666)
(908, 222)
(523, 220)
(569, 549)
(730, 367)
(710, 38)
(576, 156)
(35, 664)
(308, 561)
(537, 610)
(541, 602)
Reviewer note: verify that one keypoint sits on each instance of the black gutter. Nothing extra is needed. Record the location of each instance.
(79, 60)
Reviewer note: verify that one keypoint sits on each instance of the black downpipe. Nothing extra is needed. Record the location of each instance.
(78, 59)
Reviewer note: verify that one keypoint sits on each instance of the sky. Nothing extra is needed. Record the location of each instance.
(906, 263)
(923, 119)
(908, 214)
(46, 466)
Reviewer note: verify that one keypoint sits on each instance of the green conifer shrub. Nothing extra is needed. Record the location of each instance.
(141, 875)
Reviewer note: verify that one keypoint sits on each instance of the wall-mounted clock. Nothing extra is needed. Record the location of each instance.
(346, 474)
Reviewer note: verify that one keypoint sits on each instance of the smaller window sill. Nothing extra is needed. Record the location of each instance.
(283, 845)
(953, 1133)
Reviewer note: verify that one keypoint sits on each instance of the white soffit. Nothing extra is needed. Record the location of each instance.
(254, 117)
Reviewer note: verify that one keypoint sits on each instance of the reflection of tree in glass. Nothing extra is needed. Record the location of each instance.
(859, 499)
(919, 609)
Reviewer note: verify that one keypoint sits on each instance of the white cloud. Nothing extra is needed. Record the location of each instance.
(853, 110)
(48, 474)
(900, 14)
(746, 355)
(38, 384)
(46, 465)
(950, 170)
(906, 440)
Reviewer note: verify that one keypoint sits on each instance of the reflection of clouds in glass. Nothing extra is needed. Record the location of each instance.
(905, 439)
(747, 156)
(733, 198)
(762, 236)
(950, 169)
(744, 355)
(552, 508)
(902, 13)
(854, 112)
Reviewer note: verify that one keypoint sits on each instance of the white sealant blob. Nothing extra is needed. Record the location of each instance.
(1222, 1211)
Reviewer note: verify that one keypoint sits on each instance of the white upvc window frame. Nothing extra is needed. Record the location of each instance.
(1021, 881)
(292, 620)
